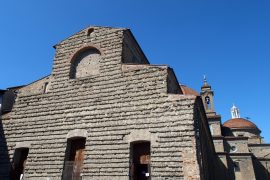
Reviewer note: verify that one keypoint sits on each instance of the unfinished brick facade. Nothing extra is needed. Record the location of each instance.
(105, 113)
(103, 89)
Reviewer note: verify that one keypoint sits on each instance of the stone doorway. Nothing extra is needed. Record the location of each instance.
(74, 159)
(140, 160)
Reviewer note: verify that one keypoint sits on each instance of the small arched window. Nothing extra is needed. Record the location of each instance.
(85, 62)
(207, 102)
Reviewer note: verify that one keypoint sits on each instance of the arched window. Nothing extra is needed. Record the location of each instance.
(85, 62)
(140, 160)
(207, 102)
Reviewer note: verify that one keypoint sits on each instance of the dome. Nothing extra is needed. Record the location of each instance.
(240, 123)
(188, 91)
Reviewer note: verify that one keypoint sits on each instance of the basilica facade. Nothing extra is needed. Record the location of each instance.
(106, 113)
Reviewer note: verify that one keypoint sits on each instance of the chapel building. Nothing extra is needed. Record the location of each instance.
(237, 141)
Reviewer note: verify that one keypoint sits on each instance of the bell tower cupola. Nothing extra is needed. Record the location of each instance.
(207, 96)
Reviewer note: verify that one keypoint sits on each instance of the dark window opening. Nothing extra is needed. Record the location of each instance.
(207, 102)
(74, 159)
(45, 87)
(19, 162)
(233, 149)
(89, 31)
(140, 160)
(236, 166)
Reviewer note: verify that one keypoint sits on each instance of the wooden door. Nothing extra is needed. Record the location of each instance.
(77, 149)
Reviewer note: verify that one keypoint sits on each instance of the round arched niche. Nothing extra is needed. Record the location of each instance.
(85, 62)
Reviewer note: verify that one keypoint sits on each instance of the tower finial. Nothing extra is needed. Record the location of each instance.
(235, 112)
(205, 80)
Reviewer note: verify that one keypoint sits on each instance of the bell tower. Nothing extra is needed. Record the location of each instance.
(207, 96)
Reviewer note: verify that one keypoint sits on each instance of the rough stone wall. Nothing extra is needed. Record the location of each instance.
(260, 150)
(262, 168)
(261, 160)
(109, 106)
(132, 52)
(172, 83)
(215, 128)
(246, 168)
(5, 163)
(255, 140)
(236, 145)
(251, 133)
(37, 87)
(219, 145)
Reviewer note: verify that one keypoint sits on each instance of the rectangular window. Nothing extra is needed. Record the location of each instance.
(236, 166)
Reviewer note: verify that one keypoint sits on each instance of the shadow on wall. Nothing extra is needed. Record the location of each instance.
(226, 131)
(260, 170)
(5, 164)
(231, 169)
(7, 99)
(65, 168)
(211, 166)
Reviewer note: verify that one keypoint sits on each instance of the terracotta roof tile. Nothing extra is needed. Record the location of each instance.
(240, 123)
(188, 91)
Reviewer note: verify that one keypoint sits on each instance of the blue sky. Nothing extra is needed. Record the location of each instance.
(228, 40)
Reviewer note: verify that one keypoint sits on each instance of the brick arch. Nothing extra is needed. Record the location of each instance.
(85, 61)
(84, 48)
